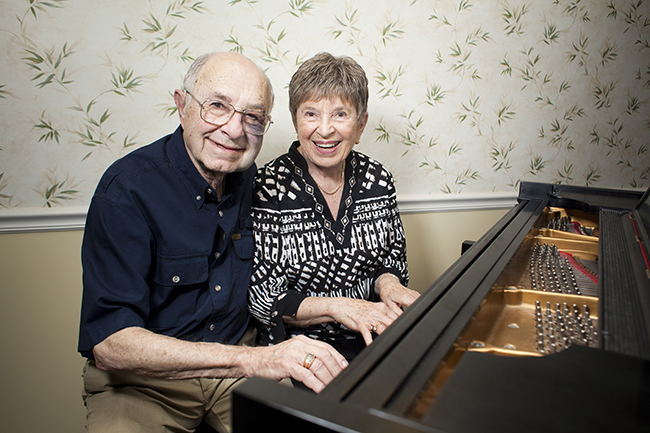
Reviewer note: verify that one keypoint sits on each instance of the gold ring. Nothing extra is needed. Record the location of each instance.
(309, 360)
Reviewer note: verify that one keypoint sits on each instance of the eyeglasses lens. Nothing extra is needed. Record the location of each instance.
(220, 114)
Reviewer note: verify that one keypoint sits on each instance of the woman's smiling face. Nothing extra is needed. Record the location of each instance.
(327, 130)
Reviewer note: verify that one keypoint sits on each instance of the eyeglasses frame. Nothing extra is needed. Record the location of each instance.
(234, 110)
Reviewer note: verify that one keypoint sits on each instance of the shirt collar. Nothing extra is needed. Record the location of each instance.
(198, 188)
(296, 156)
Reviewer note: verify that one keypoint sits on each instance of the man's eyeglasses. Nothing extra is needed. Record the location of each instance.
(218, 113)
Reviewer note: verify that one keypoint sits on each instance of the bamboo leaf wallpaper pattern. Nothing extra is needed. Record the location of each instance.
(466, 96)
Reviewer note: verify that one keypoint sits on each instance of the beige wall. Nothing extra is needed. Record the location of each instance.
(40, 296)
(433, 240)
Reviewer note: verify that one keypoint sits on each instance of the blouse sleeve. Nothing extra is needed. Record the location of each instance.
(269, 295)
(395, 261)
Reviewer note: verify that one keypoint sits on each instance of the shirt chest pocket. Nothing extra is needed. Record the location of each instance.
(243, 244)
(242, 238)
(242, 263)
(181, 270)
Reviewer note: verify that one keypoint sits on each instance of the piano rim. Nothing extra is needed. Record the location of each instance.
(380, 385)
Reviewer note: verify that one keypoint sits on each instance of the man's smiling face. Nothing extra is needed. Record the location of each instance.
(217, 150)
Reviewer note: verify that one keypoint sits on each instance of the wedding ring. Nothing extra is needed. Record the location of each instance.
(374, 328)
(309, 360)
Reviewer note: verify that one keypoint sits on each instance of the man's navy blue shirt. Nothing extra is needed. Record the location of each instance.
(161, 252)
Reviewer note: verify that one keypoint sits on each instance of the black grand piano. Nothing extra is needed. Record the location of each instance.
(542, 325)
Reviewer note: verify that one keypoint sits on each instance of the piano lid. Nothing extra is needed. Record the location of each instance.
(641, 214)
(625, 279)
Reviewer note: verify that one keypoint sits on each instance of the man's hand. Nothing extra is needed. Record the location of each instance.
(287, 359)
(143, 352)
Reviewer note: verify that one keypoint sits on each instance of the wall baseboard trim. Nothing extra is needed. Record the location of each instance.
(458, 202)
(74, 218)
(42, 220)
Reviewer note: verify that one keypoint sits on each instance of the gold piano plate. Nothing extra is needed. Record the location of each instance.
(585, 219)
(558, 234)
(581, 248)
(506, 322)
(504, 325)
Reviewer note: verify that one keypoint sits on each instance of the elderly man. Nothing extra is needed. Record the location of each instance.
(167, 257)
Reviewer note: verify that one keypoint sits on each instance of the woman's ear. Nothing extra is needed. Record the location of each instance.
(362, 124)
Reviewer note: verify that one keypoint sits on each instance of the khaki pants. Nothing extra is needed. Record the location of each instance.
(123, 402)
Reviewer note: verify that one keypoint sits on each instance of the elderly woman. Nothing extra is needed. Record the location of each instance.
(330, 261)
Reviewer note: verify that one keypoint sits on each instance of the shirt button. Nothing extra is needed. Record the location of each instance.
(212, 327)
(176, 279)
(217, 288)
(221, 213)
(198, 198)
(209, 191)
(216, 255)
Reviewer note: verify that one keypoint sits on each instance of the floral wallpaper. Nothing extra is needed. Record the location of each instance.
(467, 96)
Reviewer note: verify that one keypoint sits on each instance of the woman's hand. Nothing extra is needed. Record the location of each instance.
(393, 294)
(363, 316)
(356, 314)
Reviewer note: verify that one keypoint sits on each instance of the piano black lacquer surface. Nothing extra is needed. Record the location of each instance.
(493, 346)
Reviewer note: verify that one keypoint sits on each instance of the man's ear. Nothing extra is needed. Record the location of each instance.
(179, 100)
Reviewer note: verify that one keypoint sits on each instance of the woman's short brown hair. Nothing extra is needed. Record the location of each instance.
(326, 76)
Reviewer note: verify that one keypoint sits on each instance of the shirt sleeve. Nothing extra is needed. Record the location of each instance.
(395, 261)
(116, 258)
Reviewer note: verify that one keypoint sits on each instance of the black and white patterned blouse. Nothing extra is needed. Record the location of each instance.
(302, 251)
